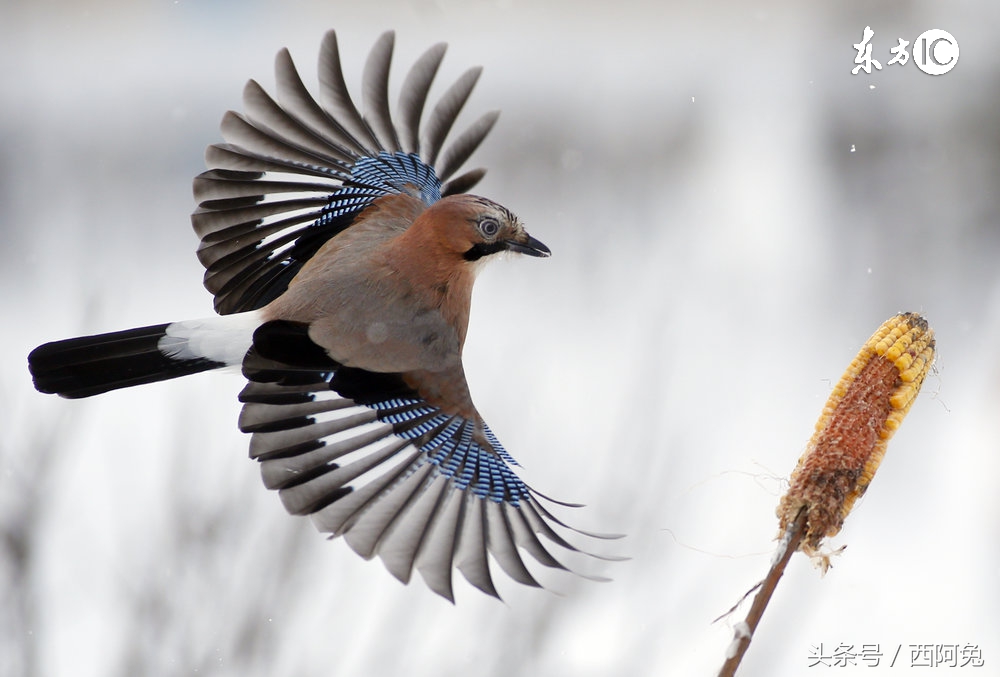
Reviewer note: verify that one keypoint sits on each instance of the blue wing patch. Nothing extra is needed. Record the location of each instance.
(450, 444)
(375, 177)
(397, 173)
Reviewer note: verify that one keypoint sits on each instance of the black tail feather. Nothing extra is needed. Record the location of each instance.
(90, 365)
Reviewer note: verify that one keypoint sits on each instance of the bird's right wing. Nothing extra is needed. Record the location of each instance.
(296, 171)
(369, 459)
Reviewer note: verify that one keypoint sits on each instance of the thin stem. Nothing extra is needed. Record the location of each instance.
(744, 631)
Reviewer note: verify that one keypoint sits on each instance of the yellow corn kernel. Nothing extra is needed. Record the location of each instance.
(865, 408)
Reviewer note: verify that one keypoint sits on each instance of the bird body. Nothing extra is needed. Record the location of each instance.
(342, 255)
(401, 291)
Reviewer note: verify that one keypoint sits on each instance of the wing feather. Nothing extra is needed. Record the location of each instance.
(371, 526)
(413, 96)
(375, 92)
(238, 131)
(339, 518)
(369, 459)
(296, 99)
(324, 489)
(212, 186)
(399, 548)
(471, 554)
(336, 98)
(436, 558)
(232, 157)
(500, 543)
(446, 111)
(264, 113)
(465, 145)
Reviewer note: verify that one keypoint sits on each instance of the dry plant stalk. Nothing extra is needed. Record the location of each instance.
(864, 410)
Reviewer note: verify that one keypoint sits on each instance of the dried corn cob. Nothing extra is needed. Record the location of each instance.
(864, 410)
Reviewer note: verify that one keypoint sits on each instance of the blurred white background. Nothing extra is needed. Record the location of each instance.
(732, 213)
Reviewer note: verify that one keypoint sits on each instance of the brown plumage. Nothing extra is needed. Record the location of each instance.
(342, 261)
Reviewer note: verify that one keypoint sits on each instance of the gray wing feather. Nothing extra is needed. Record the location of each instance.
(339, 517)
(471, 554)
(264, 113)
(264, 444)
(400, 547)
(208, 223)
(461, 148)
(436, 558)
(234, 158)
(256, 417)
(336, 98)
(296, 99)
(283, 473)
(312, 495)
(413, 96)
(216, 185)
(238, 131)
(375, 92)
(367, 531)
(445, 112)
(500, 543)
(463, 183)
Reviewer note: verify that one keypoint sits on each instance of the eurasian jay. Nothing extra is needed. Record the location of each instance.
(342, 253)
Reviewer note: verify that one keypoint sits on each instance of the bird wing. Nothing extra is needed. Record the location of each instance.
(294, 172)
(371, 459)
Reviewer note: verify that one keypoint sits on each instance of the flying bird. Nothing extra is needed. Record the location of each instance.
(341, 247)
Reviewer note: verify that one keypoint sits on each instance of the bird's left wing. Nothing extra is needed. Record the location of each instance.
(296, 171)
(369, 459)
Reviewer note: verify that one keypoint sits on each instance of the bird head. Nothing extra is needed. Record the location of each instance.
(476, 228)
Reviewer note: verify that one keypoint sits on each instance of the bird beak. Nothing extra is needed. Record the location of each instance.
(528, 245)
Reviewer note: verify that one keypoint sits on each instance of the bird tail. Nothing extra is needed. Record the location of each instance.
(91, 365)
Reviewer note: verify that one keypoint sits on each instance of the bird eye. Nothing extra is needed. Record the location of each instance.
(489, 227)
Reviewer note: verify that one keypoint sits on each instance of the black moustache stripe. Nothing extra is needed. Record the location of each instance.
(481, 249)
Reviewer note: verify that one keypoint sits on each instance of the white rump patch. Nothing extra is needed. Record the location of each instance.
(225, 338)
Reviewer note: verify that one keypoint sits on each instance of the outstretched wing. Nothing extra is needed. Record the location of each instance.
(296, 171)
(369, 459)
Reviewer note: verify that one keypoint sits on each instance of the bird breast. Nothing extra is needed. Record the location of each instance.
(367, 313)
